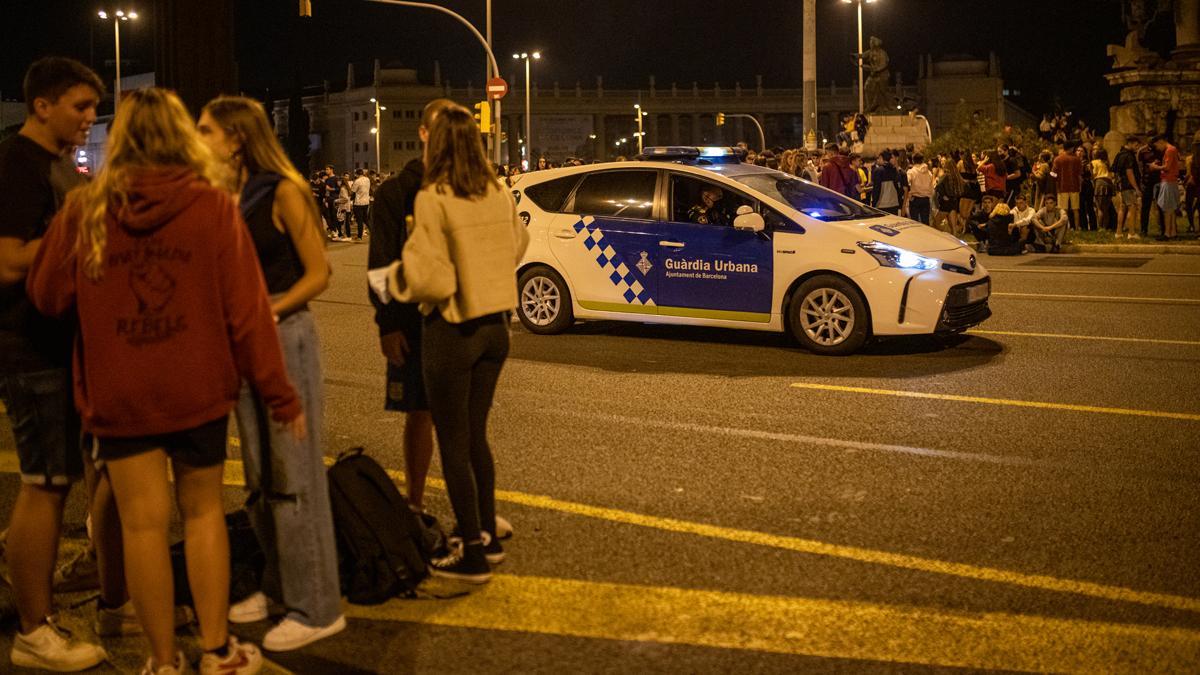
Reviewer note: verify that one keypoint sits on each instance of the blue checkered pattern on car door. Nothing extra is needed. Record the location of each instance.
(609, 259)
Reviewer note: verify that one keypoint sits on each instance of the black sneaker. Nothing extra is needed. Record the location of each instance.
(468, 564)
(492, 549)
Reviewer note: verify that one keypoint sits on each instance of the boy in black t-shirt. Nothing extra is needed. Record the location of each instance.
(36, 172)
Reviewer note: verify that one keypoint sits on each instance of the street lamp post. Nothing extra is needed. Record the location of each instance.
(526, 56)
(117, 17)
(860, 51)
(640, 134)
(377, 131)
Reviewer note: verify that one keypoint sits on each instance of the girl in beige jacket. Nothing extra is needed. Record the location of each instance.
(460, 264)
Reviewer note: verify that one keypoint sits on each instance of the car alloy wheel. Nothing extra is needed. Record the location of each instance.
(827, 317)
(540, 301)
(544, 301)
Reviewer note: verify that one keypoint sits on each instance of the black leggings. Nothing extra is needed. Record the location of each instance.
(462, 364)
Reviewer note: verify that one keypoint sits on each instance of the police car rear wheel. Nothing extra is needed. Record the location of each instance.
(545, 302)
(829, 316)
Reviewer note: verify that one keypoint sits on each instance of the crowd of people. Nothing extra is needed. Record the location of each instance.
(190, 260)
(1011, 201)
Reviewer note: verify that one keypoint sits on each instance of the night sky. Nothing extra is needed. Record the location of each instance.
(1052, 51)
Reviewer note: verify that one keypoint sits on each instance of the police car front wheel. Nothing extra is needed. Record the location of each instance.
(828, 316)
(545, 301)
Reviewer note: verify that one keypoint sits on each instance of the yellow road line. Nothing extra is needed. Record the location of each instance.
(1103, 338)
(802, 626)
(233, 477)
(1098, 298)
(1190, 417)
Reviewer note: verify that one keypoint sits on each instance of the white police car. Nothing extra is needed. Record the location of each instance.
(699, 238)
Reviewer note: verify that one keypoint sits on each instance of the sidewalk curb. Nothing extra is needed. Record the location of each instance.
(1143, 249)
(1156, 249)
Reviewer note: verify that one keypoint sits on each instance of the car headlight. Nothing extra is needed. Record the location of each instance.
(894, 256)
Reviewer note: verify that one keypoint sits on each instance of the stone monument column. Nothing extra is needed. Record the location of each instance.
(1187, 30)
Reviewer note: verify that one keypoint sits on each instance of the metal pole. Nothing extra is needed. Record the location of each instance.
(639, 116)
(860, 59)
(762, 137)
(117, 84)
(809, 64)
(528, 120)
(497, 132)
(493, 139)
(378, 134)
(487, 45)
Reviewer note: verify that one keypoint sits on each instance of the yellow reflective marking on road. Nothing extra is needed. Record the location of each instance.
(802, 626)
(1102, 338)
(1044, 405)
(1099, 298)
(233, 477)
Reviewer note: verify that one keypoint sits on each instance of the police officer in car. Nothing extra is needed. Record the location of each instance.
(707, 212)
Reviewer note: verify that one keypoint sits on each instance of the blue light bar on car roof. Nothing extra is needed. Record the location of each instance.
(691, 154)
(671, 150)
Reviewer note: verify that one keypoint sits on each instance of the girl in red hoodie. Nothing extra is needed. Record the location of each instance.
(173, 313)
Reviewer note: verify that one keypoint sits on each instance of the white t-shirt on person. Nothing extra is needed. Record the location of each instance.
(362, 191)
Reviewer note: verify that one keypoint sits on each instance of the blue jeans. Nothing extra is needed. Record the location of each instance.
(41, 409)
(288, 497)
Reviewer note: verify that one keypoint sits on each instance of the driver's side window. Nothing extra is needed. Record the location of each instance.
(703, 202)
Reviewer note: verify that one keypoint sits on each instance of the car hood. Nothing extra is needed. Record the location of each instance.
(901, 232)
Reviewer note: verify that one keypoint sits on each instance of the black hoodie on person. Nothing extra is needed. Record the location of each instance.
(389, 230)
(1001, 240)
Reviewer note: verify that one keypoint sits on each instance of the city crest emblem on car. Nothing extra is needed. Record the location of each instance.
(973, 263)
(644, 264)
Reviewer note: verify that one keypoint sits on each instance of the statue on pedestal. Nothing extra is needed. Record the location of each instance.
(1138, 15)
(875, 70)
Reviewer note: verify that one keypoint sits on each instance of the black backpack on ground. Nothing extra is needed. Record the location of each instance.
(383, 547)
(246, 561)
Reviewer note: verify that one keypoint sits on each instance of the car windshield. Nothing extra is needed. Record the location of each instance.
(811, 200)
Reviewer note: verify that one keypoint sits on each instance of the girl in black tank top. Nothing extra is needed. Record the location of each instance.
(285, 476)
(277, 254)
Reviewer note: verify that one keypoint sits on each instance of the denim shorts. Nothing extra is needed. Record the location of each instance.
(41, 408)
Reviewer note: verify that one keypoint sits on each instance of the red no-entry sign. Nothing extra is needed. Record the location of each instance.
(497, 88)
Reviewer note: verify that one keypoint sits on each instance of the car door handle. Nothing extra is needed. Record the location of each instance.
(672, 244)
(566, 233)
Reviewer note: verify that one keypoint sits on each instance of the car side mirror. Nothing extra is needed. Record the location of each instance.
(749, 221)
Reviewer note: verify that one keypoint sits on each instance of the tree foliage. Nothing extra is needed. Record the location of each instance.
(973, 131)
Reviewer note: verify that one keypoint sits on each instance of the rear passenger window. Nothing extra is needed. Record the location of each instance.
(623, 194)
(551, 195)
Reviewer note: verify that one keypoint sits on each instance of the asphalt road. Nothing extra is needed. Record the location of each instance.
(703, 500)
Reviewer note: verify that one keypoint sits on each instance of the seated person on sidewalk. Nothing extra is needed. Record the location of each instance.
(1023, 214)
(977, 223)
(1004, 237)
(1050, 225)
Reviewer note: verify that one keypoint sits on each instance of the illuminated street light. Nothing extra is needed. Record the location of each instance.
(526, 56)
(639, 114)
(375, 130)
(118, 16)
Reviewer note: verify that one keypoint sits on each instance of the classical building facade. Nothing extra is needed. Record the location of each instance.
(600, 123)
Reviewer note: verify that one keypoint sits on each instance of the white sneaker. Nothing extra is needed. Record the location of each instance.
(176, 667)
(504, 529)
(243, 659)
(50, 647)
(123, 620)
(254, 608)
(291, 634)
